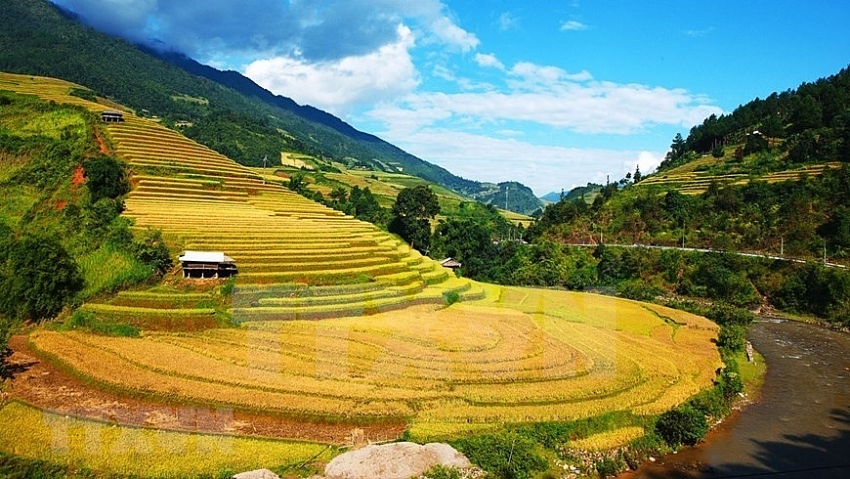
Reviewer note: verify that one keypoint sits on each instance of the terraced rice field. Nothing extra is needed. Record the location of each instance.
(388, 348)
(697, 182)
(527, 355)
(114, 451)
(278, 238)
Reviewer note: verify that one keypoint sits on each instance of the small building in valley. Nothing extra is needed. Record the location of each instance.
(112, 116)
(207, 264)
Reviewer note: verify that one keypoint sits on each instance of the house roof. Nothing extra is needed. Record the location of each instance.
(450, 263)
(112, 112)
(205, 257)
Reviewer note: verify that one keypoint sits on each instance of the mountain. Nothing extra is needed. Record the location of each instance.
(811, 124)
(38, 38)
(509, 195)
(552, 197)
(588, 192)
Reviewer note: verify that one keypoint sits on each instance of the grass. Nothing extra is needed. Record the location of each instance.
(111, 449)
(108, 270)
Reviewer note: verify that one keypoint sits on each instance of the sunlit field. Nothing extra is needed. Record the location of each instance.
(330, 320)
(522, 355)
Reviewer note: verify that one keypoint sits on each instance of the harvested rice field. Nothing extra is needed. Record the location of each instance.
(520, 355)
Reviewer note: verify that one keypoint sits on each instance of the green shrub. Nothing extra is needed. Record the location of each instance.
(732, 338)
(607, 467)
(39, 280)
(725, 314)
(4, 343)
(442, 472)
(684, 425)
(106, 177)
(506, 455)
(638, 290)
(452, 297)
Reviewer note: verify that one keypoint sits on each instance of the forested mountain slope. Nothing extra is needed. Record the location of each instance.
(772, 178)
(250, 123)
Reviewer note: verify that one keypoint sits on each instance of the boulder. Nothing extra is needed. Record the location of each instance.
(401, 460)
(258, 474)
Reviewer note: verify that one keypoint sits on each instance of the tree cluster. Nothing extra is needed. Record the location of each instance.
(67, 219)
(812, 121)
(413, 210)
(360, 203)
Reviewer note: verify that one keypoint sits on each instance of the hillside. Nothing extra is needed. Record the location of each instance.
(227, 373)
(750, 210)
(785, 136)
(251, 123)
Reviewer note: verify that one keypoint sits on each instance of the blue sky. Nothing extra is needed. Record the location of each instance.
(553, 94)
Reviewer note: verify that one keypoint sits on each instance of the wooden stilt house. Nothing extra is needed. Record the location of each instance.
(207, 264)
(112, 116)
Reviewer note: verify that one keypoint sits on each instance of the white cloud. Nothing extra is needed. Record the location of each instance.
(648, 161)
(507, 21)
(340, 85)
(488, 61)
(698, 33)
(452, 34)
(542, 168)
(573, 25)
(551, 97)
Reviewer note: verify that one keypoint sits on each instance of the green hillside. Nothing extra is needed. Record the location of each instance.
(786, 136)
(222, 110)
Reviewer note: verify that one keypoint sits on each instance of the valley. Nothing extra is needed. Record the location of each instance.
(200, 276)
(390, 353)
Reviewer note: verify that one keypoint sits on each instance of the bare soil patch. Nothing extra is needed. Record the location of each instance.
(42, 384)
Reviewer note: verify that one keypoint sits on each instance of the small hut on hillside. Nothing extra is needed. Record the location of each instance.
(112, 116)
(450, 263)
(207, 264)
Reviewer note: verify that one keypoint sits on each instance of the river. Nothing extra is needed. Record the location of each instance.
(798, 428)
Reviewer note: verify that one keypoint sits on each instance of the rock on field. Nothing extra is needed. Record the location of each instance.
(401, 460)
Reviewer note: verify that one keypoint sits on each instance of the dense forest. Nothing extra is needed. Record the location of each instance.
(811, 123)
(224, 109)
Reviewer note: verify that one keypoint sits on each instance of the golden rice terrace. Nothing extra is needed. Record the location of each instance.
(338, 323)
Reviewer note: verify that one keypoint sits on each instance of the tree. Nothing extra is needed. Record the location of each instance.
(418, 202)
(466, 240)
(4, 346)
(153, 252)
(682, 426)
(297, 183)
(637, 176)
(756, 142)
(339, 196)
(718, 151)
(39, 280)
(413, 210)
(105, 178)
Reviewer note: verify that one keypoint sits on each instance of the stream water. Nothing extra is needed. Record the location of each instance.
(798, 428)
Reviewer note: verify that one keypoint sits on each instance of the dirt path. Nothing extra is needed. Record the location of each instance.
(101, 144)
(40, 383)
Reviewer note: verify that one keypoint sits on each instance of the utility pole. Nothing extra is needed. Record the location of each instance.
(781, 246)
(265, 159)
(824, 252)
(506, 197)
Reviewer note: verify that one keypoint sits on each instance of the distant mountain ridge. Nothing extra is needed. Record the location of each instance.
(588, 191)
(249, 88)
(38, 38)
